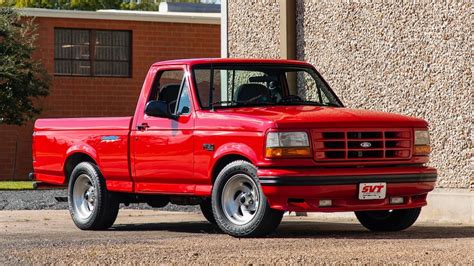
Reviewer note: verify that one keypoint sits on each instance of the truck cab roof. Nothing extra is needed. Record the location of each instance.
(203, 61)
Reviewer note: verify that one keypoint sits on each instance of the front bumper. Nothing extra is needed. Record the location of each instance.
(302, 189)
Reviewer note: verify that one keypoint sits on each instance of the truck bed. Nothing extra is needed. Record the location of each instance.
(89, 123)
(105, 141)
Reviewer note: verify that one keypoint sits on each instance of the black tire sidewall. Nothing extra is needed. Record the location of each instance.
(92, 171)
(250, 228)
(397, 220)
(206, 209)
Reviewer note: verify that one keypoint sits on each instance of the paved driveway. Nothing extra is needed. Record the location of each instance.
(147, 236)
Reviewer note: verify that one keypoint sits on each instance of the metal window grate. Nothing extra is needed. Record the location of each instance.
(80, 52)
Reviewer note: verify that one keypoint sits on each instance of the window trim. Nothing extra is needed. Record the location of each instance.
(184, 80)
(92, 35)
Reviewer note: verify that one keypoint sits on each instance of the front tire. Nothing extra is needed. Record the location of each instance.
(386, 221)
(206, 209)
(91, 206)
(240, 208)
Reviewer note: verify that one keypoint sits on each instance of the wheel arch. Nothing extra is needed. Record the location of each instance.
(228, 153)
(225, 160)
(73, 160)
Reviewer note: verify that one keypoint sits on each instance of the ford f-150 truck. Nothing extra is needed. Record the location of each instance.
(245, 139)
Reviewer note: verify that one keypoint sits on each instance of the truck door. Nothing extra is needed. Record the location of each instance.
(162, 148)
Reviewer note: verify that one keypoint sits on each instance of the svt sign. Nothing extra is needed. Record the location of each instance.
(368, 191)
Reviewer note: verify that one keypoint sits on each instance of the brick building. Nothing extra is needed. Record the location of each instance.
(97, 62)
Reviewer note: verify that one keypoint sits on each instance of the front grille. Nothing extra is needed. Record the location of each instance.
(361, 144)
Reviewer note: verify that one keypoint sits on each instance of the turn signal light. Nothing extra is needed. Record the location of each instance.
(288, 152)
(422, 149)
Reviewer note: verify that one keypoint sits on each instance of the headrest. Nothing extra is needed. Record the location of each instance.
(248, 91)
(169, 93)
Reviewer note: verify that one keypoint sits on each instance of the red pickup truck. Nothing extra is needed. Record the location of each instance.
(245, 139)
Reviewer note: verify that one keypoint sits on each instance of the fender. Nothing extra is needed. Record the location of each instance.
(232, 148)
(81, 148)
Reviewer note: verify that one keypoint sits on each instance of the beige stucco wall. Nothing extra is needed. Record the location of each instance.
(253, 28)
(410, 58)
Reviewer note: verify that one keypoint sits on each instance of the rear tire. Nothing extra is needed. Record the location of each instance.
(385, 221)
(206, 209)
(91, 206)
(239, 205)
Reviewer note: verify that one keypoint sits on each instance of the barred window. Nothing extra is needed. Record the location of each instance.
(79, 52)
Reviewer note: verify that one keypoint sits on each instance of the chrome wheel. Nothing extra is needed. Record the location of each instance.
(84, 196)
(240, 201)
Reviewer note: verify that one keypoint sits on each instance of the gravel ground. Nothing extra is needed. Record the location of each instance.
(45, 200)
(151, 237)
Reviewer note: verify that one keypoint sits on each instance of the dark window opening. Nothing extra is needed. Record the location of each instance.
(79, 52)
(171, 86)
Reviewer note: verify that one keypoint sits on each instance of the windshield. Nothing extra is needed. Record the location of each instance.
(261, 85)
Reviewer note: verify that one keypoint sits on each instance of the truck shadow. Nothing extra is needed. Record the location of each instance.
(305, 229)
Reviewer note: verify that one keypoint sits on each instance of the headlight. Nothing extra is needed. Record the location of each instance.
(422, 142)
(287, 144)
(422, 137)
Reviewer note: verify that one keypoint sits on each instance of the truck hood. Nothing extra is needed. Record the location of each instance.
(319, 117)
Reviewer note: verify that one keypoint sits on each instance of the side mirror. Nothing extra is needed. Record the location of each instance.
(184, 110)
(158, 109)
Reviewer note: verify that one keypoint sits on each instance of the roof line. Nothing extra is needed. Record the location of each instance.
(199, 61)
(128, 15)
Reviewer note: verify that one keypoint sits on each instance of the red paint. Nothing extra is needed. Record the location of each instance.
(168, 157)
(344, 197)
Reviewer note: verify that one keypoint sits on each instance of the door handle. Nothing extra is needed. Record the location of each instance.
(143, 126)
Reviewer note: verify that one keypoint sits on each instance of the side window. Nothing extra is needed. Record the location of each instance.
(167, 87)
(309, 88)
(184, 105)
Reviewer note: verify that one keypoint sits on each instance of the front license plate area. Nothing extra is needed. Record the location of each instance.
(369, 191)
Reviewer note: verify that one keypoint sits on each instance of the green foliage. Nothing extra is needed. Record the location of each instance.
(147, 5)
(95, 4)
(64, 4)
(7, 3)
(182, 1)
(22, 79)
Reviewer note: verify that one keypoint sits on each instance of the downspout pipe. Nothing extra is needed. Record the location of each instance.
(224, 39)
(288, 37)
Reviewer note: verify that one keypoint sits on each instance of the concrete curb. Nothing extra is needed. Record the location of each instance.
(450, 207)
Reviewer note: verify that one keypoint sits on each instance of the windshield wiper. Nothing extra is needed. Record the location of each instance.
(235, 103)
(331, 104)
(293, 99)
(297, 100)
(225, 102)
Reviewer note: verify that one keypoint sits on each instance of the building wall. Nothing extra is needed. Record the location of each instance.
(102, 96)
(253, 28)
(412, 58)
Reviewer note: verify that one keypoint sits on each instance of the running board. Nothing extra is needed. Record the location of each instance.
(38, 185)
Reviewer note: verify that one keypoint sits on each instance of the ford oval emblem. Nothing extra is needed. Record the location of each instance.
(366, 144)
